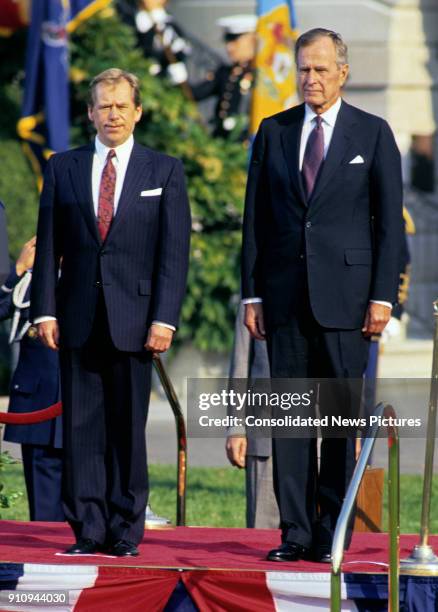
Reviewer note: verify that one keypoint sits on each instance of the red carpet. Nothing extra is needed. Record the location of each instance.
(191, 547)
(213, 570)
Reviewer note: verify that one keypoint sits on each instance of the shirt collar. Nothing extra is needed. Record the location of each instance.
(329, 117)
(123, 151)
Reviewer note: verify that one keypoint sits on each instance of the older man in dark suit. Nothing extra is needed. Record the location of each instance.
(321, 249)
(117, 215)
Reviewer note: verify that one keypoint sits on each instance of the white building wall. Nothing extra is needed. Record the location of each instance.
(393, 51)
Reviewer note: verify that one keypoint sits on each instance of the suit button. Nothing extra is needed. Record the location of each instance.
(98, 284)
(301, 256)
(16, 386)
(308, 224)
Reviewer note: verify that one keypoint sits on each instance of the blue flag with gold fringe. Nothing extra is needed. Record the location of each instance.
(44, 125)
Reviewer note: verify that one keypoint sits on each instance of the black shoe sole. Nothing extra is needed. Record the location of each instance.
(325, 560)
(305, 557)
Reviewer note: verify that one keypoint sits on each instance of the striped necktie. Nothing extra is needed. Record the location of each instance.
(313, 156)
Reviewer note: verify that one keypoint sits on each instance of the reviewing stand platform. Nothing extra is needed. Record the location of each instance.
(198, 568)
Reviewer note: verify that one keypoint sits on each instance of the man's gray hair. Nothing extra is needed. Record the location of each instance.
(307, 38)
(113, 76)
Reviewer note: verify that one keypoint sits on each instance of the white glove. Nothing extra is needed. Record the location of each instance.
(392, 330)
(143, 21)
(177, 73)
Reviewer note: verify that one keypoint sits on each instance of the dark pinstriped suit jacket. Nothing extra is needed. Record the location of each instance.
(348, 235)
(141, 266)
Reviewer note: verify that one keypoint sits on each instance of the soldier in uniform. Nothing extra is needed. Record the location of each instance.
(34, 386)
(250, 363)
(160, 38)
(231, 83)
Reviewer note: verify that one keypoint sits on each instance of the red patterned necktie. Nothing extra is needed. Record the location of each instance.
(105, 209)
(313, 156)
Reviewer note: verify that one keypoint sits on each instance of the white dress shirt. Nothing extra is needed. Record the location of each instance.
(120, 163)
(328, 125)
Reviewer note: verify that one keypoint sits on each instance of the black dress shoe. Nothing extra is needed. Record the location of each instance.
(123, 548)
(323, 554)
(84, 546)
(288, 551)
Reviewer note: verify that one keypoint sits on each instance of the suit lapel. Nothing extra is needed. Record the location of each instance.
(290, 139)
(80, 175)
(136, 178)
(339, 145)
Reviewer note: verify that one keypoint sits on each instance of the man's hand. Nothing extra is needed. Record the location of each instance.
(48, 332)
(236, 450)
(254, 320)
(376, 318)
(159, 338)
(27, 257)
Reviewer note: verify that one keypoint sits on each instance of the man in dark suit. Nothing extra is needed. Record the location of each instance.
(321, 248)
(114, 224)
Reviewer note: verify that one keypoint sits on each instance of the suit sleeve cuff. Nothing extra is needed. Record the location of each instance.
(164, 325)
(382, 302)
(43, 319)
(236, 431)
(254, 300)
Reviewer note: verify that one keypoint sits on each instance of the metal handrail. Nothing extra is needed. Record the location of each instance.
(422, 560)
(430, 445)
(181, 440)
(337, 551)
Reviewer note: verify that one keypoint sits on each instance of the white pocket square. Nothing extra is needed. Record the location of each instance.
(357, 160)
(151, 192)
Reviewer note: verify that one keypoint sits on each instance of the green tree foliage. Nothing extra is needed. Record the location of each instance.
(19, 193)
(215, 169)
(18, 188)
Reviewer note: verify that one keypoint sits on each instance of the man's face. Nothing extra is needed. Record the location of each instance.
(241, 50)
(114, 113)
(319, 76)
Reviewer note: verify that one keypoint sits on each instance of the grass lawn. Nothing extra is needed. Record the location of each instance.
(215, 497)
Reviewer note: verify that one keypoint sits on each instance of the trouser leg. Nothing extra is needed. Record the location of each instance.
(128, 388)
(105, 395)
(43, 474)
(84, 442)
(303, 349)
